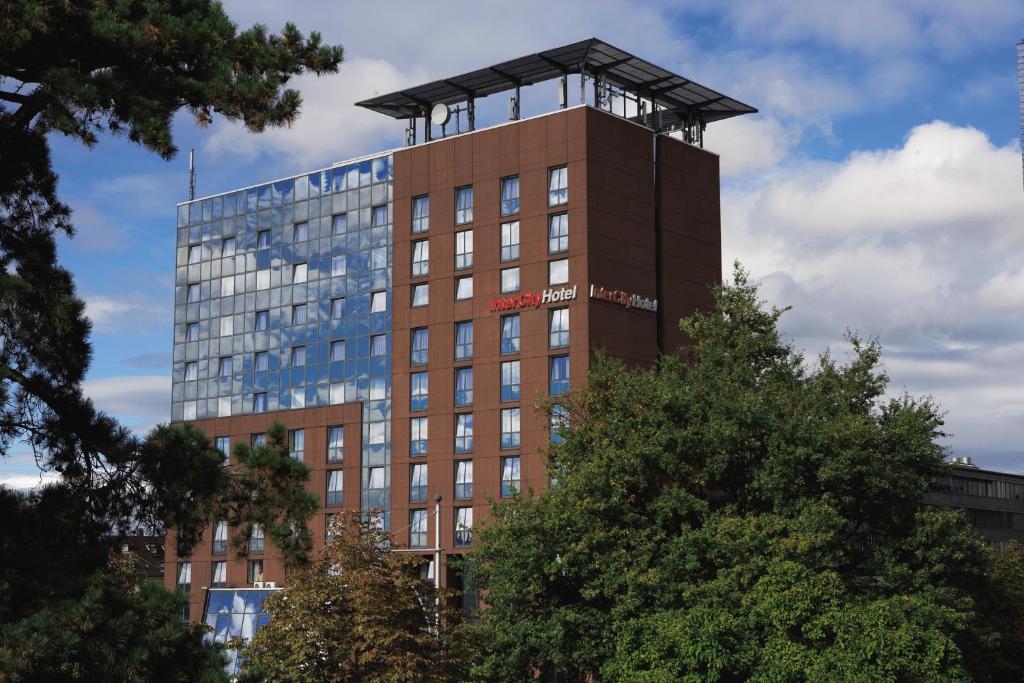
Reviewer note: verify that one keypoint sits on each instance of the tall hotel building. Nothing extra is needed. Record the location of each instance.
(402, 313)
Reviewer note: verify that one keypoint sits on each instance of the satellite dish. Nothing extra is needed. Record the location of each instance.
(439, 114)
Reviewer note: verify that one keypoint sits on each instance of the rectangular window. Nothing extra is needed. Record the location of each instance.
(256, 539)
(559, 384)
(263, 239)
(559, 420)
(195, 253)
(558, 233)
(337, 308)
(418, 391)
(337, 350)
(420, 346)
(418, 436)
(227, 246)
(418, 483)
(335, 444)
(510, 380)
(227, 286)
(220, 537)
(379, 216)
(185, 577)
(262, 321)
(339, 265)
(299, 273)
(297, 444)
(420, 213)
(509, 476)
(510, 195)
(558, 272)
(463, 340)
(417, 528)
(464, 287)
(224, 444)
(193, 294)
(510, 428)
(334, 488)
(420, 295)
(464, 433)
(298, 357)
(558, 330)
(261, 361)
(463, 205)
(259, 402)
(254, 571)
(509, 280)
(510, 333)
(375, 488)
(192, 332)
(464, 249)
(191, 371)
(339, 224)
(224, 366)
(463, 479)
(219, 577)
(463, 527)
(510, 241)
(301, 232)
(378, 302)
(558, 186)
(259, 439)
(463, 387)
(379, 345)
(420, 258)
(227, 326)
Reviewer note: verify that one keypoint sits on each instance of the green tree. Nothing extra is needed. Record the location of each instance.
(735, 514)
(360, 612)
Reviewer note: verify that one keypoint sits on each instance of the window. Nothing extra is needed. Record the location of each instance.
(463, 205)
(559, 375)
(375, 488)
(259, 402)
(379, 216)
(463, 340)
(185, 577)
(464, 249)
(464, 287)
(297, 444)
(254, 571)
(417, 528)
(261, 361)
(297, 357)
(337, 350)
(299, 273)
(420, 295)
(510, 241)
(191, 371)
(335, 444)
(300, 233)
(418, 436)
(379, 345)
(510, 380)
(558, 186)
(227, 326)
(510, 428)
(463, 479)
(193, 294)
(418, 483)
(299, 314)
(378, 302)
(420, 258)
(510, 333)
(224, 366)
(224, 444)
(420, 346)
(337, 308)
(220, 537)
(227, 286)
(418, 391)
(464, 433)
(339, 266)
(510, 195)
(463, 527)
(334, 488)
(420, 213)
(509, 476)
(192, 332)
(227, 246)
(339, 224)
(558, 233)
(559, 421)
(262, 321)
(558, 335)
(219, 577)
(263, 239)
(463, 387)
(256, 539)
(195, 253)
(558, 272)
(259, 439)
(509, 280)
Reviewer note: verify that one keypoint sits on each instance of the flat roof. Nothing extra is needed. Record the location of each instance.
(592, 57)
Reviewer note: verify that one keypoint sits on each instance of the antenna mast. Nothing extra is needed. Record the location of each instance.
(191, 174)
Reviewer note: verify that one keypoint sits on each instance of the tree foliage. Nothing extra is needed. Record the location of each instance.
(735, 514)
(360, 612)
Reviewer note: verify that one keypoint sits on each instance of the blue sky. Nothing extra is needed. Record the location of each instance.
(879, 189)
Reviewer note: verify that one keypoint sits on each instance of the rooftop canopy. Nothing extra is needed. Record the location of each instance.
(593, 58)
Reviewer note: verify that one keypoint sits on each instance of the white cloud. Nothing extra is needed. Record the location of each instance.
(137, 401)
(22, 482)
(126, 312)
(1005, 291)
(749, 143)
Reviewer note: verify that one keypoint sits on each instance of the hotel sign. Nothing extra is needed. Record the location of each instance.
(532, 299)
(627, 299)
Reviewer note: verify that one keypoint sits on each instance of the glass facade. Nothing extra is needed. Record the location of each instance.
(258, 323)
(234, 613)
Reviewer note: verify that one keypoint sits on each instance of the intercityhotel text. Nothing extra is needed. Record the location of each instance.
(560, 294)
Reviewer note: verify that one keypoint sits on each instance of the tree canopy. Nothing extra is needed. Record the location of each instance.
(739, 514)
